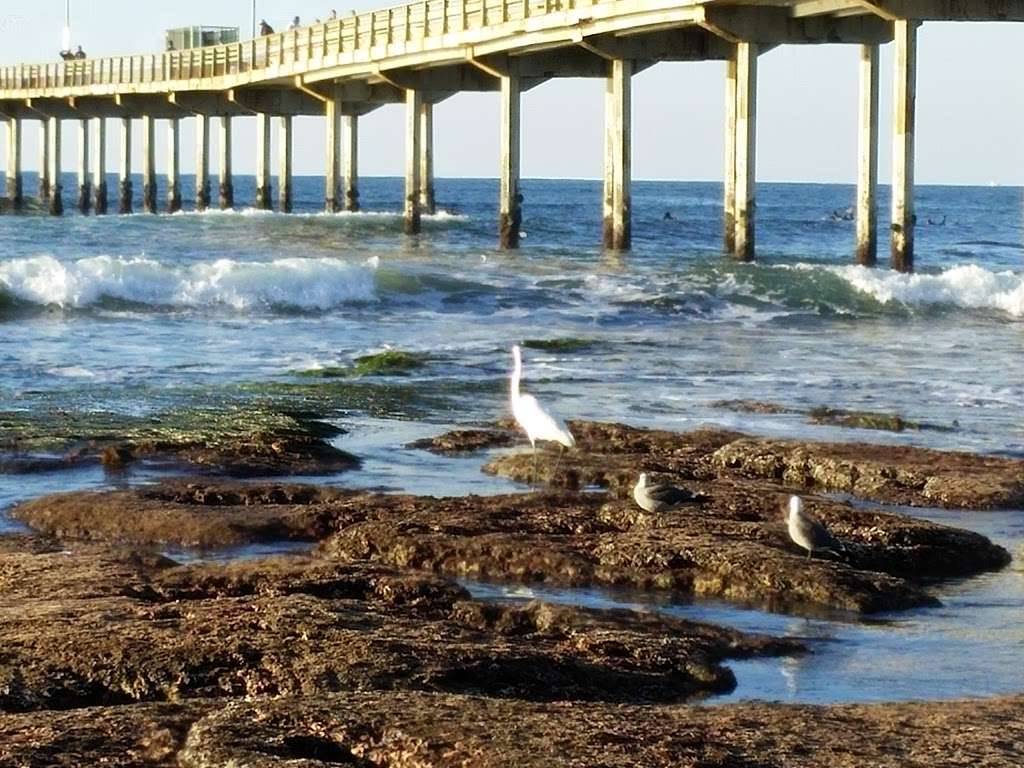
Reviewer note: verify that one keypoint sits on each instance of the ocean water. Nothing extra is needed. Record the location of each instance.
(151, 316)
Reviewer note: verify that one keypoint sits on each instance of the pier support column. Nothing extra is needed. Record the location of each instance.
(14, 189)
(56, 190)
(124, 194)
(904, 88)
(510, 211)
(867, 158)
(44, 161)
(264, 196)
(351, 163)
(227, 187)
(284, 159)
(84, 184)
(99, 167)
(617, 143)
(148, 164)
(332, 169)
(746, 148)
(173, 165)
(413, 106)
(427, 203)
(729, 173)
(202, 162)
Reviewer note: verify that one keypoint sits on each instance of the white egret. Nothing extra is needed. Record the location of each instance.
(539, 424)
(808, 532)
(660, 497)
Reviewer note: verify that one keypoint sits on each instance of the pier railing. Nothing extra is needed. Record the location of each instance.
(414, 22)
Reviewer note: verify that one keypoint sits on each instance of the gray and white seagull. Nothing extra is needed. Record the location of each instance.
(808, 532)
(660, 497)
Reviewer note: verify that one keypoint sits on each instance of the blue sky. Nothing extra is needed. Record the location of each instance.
(970, 103)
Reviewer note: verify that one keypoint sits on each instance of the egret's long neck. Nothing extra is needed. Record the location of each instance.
(517, 373)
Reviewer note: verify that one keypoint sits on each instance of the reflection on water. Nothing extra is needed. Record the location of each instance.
(970, 646)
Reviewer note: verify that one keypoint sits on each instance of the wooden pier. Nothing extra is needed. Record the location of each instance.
(422, 53)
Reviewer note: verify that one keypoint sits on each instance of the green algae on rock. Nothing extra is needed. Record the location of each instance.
(390, 362)
(565, 344)
(255, 439)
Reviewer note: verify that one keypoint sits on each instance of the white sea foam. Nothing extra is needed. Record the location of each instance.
(969, 286)
(313, 284)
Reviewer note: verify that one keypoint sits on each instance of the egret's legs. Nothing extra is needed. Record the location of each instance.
(561, 450)
(533, 481)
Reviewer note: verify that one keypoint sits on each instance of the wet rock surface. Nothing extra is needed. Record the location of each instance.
(186, 513)
(97, 627)
(732, 544)
(612, 455)
(404, 729)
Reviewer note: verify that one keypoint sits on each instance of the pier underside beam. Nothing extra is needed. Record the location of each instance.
(766, 25)
(413, 107)
(99, 167)
(867, 158)
(202, 162)
(351, 150)
(264, 194)
(284, 157)
(84, 184)
(427, 203)
(148, 164)
(227, 186)
(618, 149)
(510, 212)
(332, 173)
(174, 165)
(56, 190)
(14, 189)
(124, 192)
(44, 161)
(746, 148)
(904, 87)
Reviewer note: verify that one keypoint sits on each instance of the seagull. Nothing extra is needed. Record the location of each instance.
(808, 532)
(660, 497)
(539, 424)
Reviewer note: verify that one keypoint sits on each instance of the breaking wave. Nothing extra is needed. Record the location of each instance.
(969, 286)
(293, 283)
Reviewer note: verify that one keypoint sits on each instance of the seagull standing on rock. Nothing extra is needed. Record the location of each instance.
(808, 532)
(538, 424)
(660, 497)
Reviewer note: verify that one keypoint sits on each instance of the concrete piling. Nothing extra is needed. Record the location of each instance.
(746, 145)
(13, 187)
(867, 158)
(149, 190)
(227, 186)
(202, 162)
(173, 165)
(124, 203)
(284, 157)
(56, 190)
(84, 183)
(510, 212)
(427, 202)
(729, 173)
(351, 163)
(44, 161)
(99, 167)
(413, 106)
(904, 94)
(264, 195)
(332, 170)
(618, 149)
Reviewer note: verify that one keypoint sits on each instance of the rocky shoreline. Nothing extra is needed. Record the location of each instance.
(366, 652)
